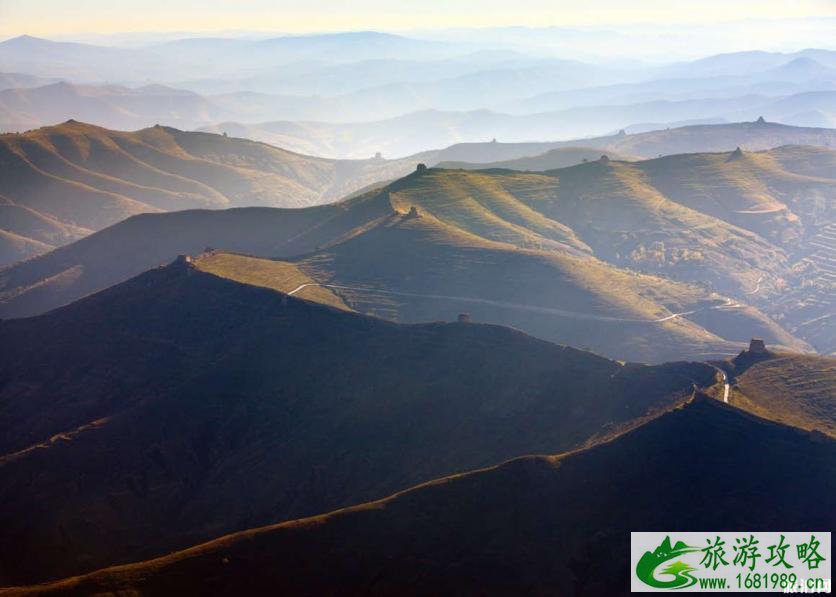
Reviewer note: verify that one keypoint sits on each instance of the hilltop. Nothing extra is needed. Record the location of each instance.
(798, 390)
(535, 525)
(83, 178)
(751, 136)
(210, 411)
(550, 160)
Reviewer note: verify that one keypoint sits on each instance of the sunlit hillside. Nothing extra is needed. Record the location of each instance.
(79, 178)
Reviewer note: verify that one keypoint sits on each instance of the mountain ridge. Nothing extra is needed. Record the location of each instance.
(708, 222)
(500, 517)
(218, 384)
(90, 177)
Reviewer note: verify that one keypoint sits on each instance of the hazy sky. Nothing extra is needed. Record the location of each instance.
(66, 17)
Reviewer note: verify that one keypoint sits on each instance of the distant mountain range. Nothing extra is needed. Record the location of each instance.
(351, 95)
(22, 81)
(115, 107)
(411, 133)
(701, 138)
(107, 106)
(209, 56)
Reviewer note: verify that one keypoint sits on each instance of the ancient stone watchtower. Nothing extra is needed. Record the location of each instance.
(757, 346)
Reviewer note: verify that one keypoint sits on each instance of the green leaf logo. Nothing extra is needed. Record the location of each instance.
(679, 571)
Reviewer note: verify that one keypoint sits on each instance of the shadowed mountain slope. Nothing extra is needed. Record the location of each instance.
(87, 177)
(535, 525)
(179, 406)
(148, 240)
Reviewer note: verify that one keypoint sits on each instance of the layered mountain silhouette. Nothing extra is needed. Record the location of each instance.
(81, 178)
(562, 246)
(84, 177)
(384, 261)
(417, 269)
(404, 135)
(109, 106)
(535, 525)
(180, 405)
(325, 81)
(703, 138)
(363, 313)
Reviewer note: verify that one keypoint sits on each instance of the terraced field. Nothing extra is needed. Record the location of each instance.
(824, 255)
(808, 305)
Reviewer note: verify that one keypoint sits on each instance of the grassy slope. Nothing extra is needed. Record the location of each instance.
(91, 177)
(609, 208)
(278, 275)
(572, 300)
(170, 394)
(747, 225)
(762, 192)
(798, 390)
(536, 525)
